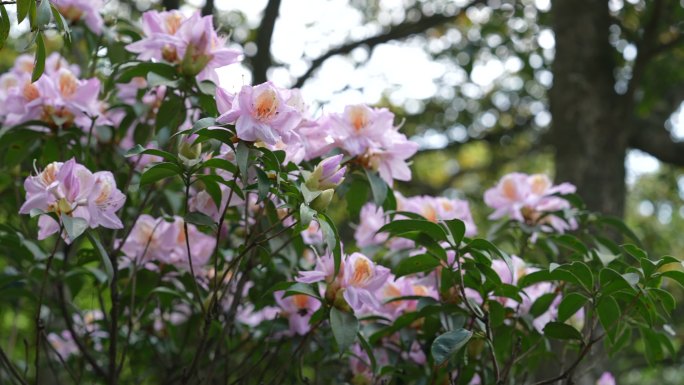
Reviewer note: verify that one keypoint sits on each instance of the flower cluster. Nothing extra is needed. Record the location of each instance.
(87, 11)
(154, 242)
(59, 98)
(191, 42)
(529, 199)
(278, 119)
(71, 189)
(431, 208)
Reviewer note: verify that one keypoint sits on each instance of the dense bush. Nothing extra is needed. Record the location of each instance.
(171, 231)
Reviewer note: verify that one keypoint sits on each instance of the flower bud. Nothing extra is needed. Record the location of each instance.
(327, 175)
(189, 153)
(322, 201)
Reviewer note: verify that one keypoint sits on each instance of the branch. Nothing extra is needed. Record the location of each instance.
(262, 61)
(397, 32)
(208, 8)
(656, 140)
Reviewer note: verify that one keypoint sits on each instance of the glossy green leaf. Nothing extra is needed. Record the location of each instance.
(446, 345)
(104, 256)
(378, 187)
(571, 304)
(416, 264)
(344, 327)
(561, 331)
(158, 172)
(609, 313)
(39, 62)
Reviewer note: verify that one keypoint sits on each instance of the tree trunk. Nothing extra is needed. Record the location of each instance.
(589, 130)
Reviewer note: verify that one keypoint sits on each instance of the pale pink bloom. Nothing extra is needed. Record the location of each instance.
(155, 240)
(261, 114)
(416, 354)
(61, 99)
(372, 219)
(71, 189)
(249, 316)
(86, 10)
(606, 379)
(360, 128)
(313, 235)
(525, 198)
(391, 160)
(360, 279)
(150, 240)
(298, 309)
(323, 271)
(63, 344)
(191, 42)
(104, 200)
(315, 138)
(441, 209)
(359, 362)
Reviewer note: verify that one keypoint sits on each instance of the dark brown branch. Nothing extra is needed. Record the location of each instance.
(171, 4)
(208, 8)
(656, 140)
(397, 32)
(262, 61)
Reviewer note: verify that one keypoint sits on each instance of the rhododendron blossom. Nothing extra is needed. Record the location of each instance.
(526, 198)
(71, 189)
(260, 113)
(191, 42)
(87, 11)
(298, 309)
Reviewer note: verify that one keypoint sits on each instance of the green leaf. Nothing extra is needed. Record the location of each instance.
(416, 264)
(74, 226)
(609, 313)
(635, 252)
(403, 226)
(5, 25)
(356, 197)
(158, 172)
(309, 195)
(332, 239)
(542, 304)
(39, 63)
(300, 288)
(561, 331)
(170, 113)
(369, 352)
(447, 344)
(263, 184)
(306, 214)
(141, 69)
(611, 281)
(378, 187)
(676, 275)
(61, 23)
(242, 158)
(344, 327)
(220, 163)
(581, 272)
(456, 230)
(23, 7)
(570, 304)
(44, 14)
(197, 218)
(104, 257)
(535, 277)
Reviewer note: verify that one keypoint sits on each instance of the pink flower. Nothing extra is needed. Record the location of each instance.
(155, 240)
(312, 235)
(86, 10)
(191, 42)
(63, 344)
(441, 209)
(104, 200)
(525, 198)
(59, 98)
(324, 270)
(606, 379)
(391, 161)
(360, 279)
(71, 189)
(372, 219)
(297, 309)
(260, 113)
(361, 127)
